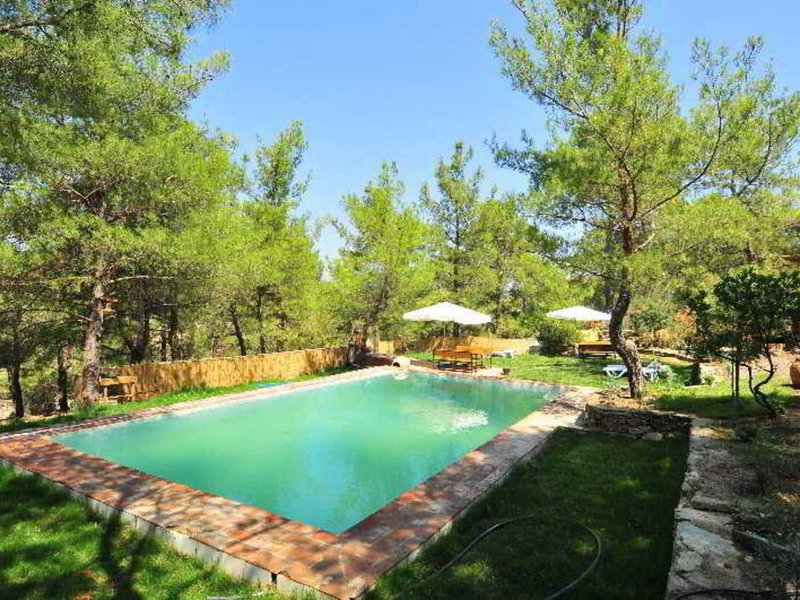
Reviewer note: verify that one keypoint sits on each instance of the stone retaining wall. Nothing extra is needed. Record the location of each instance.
(633, 422)
(704, 554)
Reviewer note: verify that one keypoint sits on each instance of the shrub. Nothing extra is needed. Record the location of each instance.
(650, 319)
(41, 398)
(557, 336)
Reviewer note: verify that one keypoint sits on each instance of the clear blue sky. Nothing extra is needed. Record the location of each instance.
(402, 81)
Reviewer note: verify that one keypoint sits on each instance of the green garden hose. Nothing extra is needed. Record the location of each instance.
(737, 593)
(497, 526)
(563, 590)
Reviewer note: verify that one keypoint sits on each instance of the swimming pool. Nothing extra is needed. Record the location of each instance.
(327, 456)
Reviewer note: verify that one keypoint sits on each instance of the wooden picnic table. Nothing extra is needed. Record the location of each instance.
(471, 357)
(453, 358)
(126, 385)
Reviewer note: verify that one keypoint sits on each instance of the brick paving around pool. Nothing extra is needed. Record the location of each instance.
(251, 542)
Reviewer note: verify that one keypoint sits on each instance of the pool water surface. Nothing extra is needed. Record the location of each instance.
(328, 456)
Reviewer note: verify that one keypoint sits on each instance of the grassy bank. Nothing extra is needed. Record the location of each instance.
(569, 370)
(52, 547)
(624, 489)
(184, 395)
(714, 401)
(711, 401)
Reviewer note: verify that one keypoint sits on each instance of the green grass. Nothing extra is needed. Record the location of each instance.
(702, 400)
(568, 370)
(714, 401)
(554, 369)
(184, 395)
(622, 488)
(52, 547)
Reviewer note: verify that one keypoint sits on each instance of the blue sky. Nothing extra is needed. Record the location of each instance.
(403, 81)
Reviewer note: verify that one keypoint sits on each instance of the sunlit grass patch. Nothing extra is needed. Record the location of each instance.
(624, 489)
(53, 547)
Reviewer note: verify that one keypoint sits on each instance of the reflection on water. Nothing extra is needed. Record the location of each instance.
(328, 456)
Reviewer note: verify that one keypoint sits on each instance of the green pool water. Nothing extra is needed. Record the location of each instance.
(328, 456)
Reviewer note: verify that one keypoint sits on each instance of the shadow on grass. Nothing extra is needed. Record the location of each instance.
(715, 402)
(53, 547)
(624, 489)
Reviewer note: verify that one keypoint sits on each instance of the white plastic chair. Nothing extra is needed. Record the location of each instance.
(650, 371)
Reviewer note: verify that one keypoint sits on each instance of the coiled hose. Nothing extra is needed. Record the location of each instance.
(764, 594)
(497, 526)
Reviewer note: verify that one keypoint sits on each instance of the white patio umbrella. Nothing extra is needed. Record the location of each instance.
(449, 313)
(579, 313)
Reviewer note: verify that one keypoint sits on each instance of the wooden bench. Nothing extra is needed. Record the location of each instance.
(455, 358)
(595, 348)
(480, 353)
(126, 385)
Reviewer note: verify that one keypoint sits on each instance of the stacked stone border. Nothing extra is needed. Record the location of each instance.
(704, 554)
(252, 543)
(638, 423)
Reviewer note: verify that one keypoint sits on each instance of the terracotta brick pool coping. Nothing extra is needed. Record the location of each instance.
(251, 542)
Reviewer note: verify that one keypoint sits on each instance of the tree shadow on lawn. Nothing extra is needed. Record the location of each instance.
(624, 489)
(52, 547)
(715, 402)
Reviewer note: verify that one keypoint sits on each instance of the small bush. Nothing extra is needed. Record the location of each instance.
(41, 398)
(557, 336)
(650, 321)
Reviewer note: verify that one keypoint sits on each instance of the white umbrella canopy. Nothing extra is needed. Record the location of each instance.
(448, 313)
(579, 313)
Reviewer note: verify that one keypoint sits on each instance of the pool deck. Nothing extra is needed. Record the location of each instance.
(251, 542)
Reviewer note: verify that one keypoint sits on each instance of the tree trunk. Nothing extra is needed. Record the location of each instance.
(237, 330)
(175, 351)
(64, 360)
(608, 288)
(626, 348)
(737, 369)
(262, 339)
(760, 397)
(16, 389)
(163, 345)
(91, 345)
(141, 344)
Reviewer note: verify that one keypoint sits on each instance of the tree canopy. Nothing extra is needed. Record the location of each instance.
(625, 149)
(130, 233)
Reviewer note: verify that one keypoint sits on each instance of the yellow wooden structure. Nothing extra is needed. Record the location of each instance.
(126, 388)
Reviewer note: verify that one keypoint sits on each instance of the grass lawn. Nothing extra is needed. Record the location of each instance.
(714, 401)
(185, 395)
(52, 547)
(569, 370)
(703, 400)
(624, 489)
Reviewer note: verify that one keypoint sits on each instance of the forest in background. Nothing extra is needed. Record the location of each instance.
(129, 233)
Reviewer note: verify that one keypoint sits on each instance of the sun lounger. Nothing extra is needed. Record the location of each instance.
(509, 353)
(650, 371)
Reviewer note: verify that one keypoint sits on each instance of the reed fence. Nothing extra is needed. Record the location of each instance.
(436, 343)
(159, 378)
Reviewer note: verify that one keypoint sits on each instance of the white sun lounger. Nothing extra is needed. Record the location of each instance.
(650, 371)
(510, 353)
